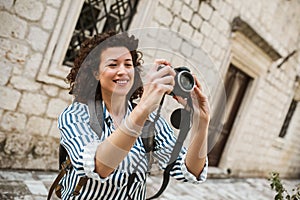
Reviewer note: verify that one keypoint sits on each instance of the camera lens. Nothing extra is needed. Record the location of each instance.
(185, 81)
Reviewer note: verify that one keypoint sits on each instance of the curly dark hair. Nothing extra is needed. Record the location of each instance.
(83, 84)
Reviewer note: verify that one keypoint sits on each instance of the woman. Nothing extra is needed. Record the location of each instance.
(113, 63)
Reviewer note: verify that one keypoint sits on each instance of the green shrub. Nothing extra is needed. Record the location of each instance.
(281, 192)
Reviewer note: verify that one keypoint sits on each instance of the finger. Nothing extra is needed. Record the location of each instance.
(167, 88)
(166, 70)
(180, 100)
(167, 80)
(162, 62)
(198, 83)
(199, 93)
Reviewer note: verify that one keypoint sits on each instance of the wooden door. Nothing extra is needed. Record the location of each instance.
(236, 83)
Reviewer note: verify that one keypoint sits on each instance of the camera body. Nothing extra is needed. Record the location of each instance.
(184, 81)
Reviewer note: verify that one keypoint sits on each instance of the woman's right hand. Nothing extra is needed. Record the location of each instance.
(157, 83)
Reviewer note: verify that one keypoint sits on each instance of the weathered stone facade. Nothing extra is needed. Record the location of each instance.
(34, 37)
(29, 108)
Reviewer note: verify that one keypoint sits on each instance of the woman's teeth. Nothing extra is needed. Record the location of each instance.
(121, 81)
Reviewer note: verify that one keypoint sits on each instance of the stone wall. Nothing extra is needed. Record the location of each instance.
(30, 106)
(29, 109)
(255, 148)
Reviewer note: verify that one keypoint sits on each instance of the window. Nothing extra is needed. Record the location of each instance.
(97, 16)
(288, 118)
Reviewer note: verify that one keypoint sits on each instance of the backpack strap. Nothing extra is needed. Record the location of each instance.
(55, 185)
(96, 117)
(65, 162)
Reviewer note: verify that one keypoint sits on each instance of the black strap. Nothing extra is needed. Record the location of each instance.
(96, 116)
(184, 129)
(64, 167)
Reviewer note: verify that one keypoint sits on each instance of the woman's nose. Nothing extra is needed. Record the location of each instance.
(121, 69)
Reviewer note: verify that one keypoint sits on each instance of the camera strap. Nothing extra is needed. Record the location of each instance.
(184, 129)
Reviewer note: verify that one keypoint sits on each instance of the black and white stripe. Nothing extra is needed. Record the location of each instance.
(81, 141)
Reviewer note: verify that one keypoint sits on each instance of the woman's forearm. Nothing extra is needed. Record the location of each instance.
(115, 148)
(197, 151)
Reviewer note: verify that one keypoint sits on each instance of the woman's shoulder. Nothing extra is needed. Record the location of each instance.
(75, 112)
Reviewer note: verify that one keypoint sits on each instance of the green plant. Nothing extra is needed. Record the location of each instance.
(281, 192)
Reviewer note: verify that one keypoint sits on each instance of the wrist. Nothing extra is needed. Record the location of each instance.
(139, 115)
(130, 128)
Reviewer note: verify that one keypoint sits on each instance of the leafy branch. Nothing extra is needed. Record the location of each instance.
(281, 192)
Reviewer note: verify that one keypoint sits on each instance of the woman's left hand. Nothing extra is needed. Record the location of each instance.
(200, 104)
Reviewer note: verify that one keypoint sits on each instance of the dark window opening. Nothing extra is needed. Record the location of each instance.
(288, 118)
(97, 16)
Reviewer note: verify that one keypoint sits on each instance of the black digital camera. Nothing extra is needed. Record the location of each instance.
(184, 81)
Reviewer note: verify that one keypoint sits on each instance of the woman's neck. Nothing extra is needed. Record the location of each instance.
(115, 106)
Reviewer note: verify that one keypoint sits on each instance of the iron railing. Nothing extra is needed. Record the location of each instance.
(98, 16)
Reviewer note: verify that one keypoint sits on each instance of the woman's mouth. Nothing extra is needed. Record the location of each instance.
(121, 82)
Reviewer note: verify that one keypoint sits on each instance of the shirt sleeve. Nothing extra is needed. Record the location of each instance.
(165, 141)
(81, 142)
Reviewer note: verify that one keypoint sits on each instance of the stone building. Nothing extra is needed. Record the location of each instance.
(253, 72)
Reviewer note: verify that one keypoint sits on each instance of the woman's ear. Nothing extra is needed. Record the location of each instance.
(96, 75)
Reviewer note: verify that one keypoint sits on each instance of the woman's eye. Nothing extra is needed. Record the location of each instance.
(128, 64)
(112, 65)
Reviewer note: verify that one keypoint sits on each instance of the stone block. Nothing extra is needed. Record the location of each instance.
(186, 49)
(54, 131)
(176, 23)
(207, 44)
(176, 8)
(63, 94)
(164, 16)
(51, 90)
(12, 26)
(205, 11)
(32, 65)
(186, 13)
(55, 3)
(216, 4)
(49, 18)
(197, 38)
(226, 11)
(195, 5)
(13, 122)
(186, 30)
(216, 51)
(167, 3)
(29, 9)
(18, 144)
(38, 125)
(206, 29)
(37, 38)
(223, 26)
(9, 98)
(23, 83)
(215, 18)
(215, 34)
(196, 21)
(33, 104)
(175, 42)
(14, 52)
(5, 72)
(45, 146)
(7, 4)
(55, 107)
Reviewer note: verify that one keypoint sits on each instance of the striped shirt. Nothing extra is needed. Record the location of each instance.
(81, 143)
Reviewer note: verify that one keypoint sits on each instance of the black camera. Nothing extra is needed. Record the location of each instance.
(184, 81)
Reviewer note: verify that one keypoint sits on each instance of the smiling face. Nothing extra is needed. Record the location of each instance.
(116, 71)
